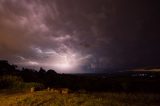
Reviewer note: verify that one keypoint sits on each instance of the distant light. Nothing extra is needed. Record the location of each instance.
(66, 62)
(63, 66)
(33, 63)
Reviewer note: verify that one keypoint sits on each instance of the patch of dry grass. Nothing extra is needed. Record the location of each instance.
(46, 98)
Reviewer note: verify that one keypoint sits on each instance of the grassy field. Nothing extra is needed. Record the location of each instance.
(48, 98)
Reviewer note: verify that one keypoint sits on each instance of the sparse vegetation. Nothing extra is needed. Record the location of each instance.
(46, 98)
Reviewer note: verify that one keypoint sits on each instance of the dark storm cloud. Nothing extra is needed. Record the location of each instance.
(137, 35)
(109, 34)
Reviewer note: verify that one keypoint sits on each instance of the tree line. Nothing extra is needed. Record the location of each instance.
(12, 77)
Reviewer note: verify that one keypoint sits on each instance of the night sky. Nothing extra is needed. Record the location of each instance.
(80, 35)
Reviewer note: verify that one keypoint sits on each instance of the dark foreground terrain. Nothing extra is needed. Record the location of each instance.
(49, 98)
(28, 87)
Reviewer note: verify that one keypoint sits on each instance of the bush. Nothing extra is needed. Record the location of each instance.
(10, 82)
(16, 83)
(36, 86)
